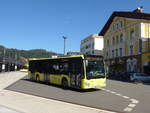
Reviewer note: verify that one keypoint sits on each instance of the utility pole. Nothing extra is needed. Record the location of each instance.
(16, 61)
(64, 44)
(4, 60)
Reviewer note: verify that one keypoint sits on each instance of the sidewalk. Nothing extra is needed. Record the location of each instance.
(7, 110)
(32, 104)
(4, 82)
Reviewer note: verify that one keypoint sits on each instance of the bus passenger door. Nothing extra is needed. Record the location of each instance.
(75, 75)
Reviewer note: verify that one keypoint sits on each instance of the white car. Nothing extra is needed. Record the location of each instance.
(139, 77)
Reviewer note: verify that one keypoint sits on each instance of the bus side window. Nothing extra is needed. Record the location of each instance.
(36, 66)
(55, 68)
(49, 68)
(45, 67)
(63, 67)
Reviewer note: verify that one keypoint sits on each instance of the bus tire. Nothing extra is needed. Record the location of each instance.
(64, 83)
(37, 78)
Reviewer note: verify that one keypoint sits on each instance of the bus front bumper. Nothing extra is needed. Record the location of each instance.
(93, 83)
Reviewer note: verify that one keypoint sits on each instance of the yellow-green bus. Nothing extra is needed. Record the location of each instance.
(81, 72)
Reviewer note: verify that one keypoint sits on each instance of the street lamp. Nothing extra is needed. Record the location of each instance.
(4, 60)
(64, 44)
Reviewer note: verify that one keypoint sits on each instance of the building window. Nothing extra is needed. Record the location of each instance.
(114, 27)
(131, 49)
(93, 52)
(107, 54)
(117, 39)
(92, 45)
(140, 45)
(120, 49)
(113, 40)
(107, 42)
(116, 52)
(132, 35)
(89, 45)
(112, 53)
(121, 24)
(86, 47)
(117, 25)
(121, 38)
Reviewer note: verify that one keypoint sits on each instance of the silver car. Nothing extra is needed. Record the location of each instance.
(139, 77)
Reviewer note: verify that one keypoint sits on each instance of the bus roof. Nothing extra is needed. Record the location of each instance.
(82, 56)
(75, 56)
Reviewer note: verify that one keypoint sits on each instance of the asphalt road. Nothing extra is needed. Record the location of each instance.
(138, 91)
(113, 99)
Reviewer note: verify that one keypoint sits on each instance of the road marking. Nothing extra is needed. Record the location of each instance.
(106, 112)
(119, 94)
(108, 90)
(134, 101)
(113, 92)
(128, 109)
(131, 105)
(125, 97)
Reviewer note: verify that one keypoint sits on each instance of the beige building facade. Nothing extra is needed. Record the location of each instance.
(126, 40)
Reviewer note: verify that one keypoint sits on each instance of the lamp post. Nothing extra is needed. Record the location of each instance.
(4, 60)
(64, 44)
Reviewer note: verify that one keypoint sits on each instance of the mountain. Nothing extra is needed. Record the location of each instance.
(17, 54)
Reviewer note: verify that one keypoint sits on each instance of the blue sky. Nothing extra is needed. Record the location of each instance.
(32, 24)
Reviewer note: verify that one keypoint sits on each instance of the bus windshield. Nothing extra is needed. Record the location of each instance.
(95, 69)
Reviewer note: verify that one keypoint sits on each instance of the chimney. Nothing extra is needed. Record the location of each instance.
(138, 10)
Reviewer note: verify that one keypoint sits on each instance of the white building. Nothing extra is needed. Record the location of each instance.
(92, 45)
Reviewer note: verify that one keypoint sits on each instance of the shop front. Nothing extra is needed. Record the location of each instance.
(146, 63)
(122, 65)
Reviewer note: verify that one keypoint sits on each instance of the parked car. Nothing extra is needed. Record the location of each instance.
(139, 77)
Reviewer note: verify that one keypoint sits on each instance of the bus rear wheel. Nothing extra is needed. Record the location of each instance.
(64, 83)
(37, 78)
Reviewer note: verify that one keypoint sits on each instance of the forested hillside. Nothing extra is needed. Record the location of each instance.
(17, 54)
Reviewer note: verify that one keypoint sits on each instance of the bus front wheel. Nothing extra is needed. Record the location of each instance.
(64, 83)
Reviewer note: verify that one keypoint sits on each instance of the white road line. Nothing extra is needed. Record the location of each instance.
(128, 109)
(107, 90)
(134, 101)
(132, 105)
(100, 88)
(106, 111)
(126, 97)
(119, 94)
(113, 92)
